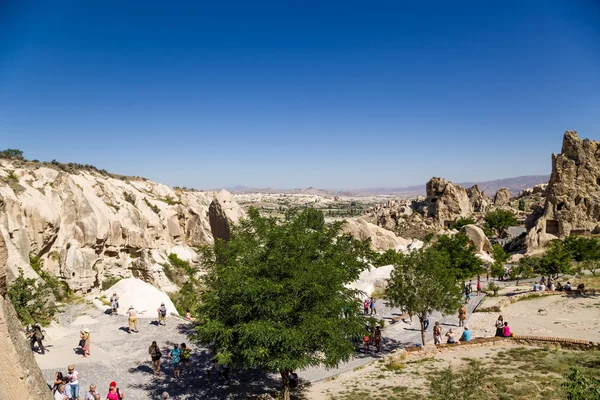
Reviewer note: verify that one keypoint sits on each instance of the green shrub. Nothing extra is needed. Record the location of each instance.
(492, 287)
(153, 207)
(169, 200)
(59, 289)
(109, 282)
(31, 300)
(12, 176)
(129, 197)
(462, 221)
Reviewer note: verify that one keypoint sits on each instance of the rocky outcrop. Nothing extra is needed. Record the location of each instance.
(87, 226)
(477, 237)
(222, 212)
(572, 203)
(502, 197)
(446, 202)
(21, 378)
(479, 201)
(381, 239)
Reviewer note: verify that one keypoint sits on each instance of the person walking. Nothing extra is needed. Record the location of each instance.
(84, 341)
(366, 306)
(162, 314)
(426, 322)
(462, 315)
(377, 339)
(478, 287)
(133, 320)
(73, 379)
(437, 333)
(114, 303)
(114, 393)
(36, 337)
(155, 355)
(185, 357)
(175, 356)
(372, 306)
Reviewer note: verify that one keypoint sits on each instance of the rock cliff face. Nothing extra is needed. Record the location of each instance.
(21, 378)
(381, 239)
(87, 226)
(479, 201)
(445, 202)
(572, 203)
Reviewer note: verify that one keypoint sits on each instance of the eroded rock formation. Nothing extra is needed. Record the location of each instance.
(502, 197)
(572, 203)
(381, 239)
(87, 226)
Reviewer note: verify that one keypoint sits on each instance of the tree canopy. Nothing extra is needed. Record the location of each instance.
(498, 221)
(461, 255)
(422, 282)
(556, 260)
(582, 248)
(275, 295)
(31, 300)
(500, 257)
(12, 153)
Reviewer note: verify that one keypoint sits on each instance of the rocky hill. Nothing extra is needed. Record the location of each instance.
(87, 225)
(572, 204)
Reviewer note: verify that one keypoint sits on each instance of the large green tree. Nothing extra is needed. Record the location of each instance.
(275, 295)
(556, 260)
(422, 282)
(498, 221)
(461, 255)
(31, 300)
(500, 258)
(582, 248)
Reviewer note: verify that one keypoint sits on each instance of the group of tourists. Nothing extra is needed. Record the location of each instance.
(502, 328)
(179, 357)
(369, 306)
(372, 339)
(67, 387)
(450, 335)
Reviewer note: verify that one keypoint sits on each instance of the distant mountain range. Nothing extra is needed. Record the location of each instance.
(515, 185)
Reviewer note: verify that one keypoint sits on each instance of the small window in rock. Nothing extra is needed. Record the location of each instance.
(73, 273)
(560, 206)
(597, 181)
(577, 200)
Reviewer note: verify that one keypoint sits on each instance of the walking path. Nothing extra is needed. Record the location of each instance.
(123, 357)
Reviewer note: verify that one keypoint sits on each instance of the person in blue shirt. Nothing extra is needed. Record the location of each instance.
(466, 336)
(175, 356)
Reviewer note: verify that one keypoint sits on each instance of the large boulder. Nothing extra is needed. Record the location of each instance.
(479, 201)
(478, 238)
(381, 239)
(222, 212)
(572, 203)
(446, 202)
(502, 197)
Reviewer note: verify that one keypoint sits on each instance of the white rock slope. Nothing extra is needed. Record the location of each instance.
(87, 226)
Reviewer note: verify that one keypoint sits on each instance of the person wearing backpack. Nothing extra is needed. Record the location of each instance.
(162, 314)
(175, 356)
(114, 393)
(36, 337)
(155, 354)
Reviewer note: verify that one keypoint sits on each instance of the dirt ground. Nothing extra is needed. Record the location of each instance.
(556, 316)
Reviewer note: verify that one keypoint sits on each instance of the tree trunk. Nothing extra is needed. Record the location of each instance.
(285, 378)
(422, 321)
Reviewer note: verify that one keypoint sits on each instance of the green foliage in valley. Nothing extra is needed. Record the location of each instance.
(275, 296)
(498, 221)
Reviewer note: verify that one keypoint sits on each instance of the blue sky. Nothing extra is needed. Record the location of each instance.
(294, 94)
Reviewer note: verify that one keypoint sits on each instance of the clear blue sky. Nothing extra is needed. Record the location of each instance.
(290, 94)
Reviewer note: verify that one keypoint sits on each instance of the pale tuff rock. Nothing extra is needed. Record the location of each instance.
(446, 201)
(21, 378)
(381, 239)
(222, 212)
(477, 237)
(502, 197)
(143, 297)
(479, 200)
(573, 194)
(88, 226)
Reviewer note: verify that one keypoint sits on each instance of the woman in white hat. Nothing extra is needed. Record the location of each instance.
(84, 341)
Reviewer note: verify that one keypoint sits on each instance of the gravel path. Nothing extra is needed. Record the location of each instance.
(123, 357)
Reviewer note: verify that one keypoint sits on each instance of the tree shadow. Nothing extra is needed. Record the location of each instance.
(247, 384)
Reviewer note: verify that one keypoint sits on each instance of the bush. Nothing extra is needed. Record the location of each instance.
(59, 289)
(462, 385)
(498, 221)
(153, 207)
(493, 288)
(462, 221)
(169, 200)
(109, 282)
(129, 197)
(581, 386)
(12, 153)
(12, 176)
(31, 301)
